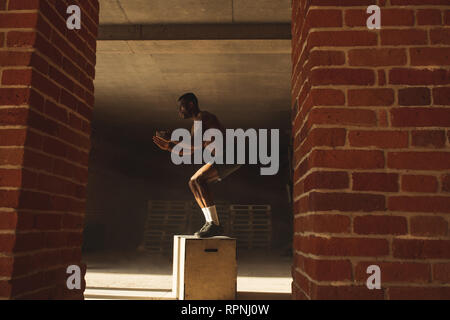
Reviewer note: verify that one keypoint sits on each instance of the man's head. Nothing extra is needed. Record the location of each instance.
(188, 105)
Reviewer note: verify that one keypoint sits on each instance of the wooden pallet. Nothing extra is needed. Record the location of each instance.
(251, 225)
(164, 220)
(153, 241)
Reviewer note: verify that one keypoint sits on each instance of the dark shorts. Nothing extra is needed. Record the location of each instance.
(226, 169)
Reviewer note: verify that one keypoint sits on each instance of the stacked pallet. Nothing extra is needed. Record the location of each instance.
(164, 220)
(251, 225)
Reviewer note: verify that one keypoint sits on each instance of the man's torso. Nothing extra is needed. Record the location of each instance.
(210, 121)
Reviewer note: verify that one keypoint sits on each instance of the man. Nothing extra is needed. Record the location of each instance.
(210, 172)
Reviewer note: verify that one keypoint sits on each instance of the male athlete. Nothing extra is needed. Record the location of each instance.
(208, 173)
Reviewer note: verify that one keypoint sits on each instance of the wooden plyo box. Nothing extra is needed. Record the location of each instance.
(204, 269)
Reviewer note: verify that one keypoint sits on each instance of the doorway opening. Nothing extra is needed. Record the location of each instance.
(137, 199)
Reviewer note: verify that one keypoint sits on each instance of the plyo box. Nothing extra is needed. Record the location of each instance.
(204, 268)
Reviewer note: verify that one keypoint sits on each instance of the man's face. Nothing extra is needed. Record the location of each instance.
(184, 110)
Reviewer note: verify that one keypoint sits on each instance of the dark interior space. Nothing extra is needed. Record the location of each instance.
(245, 83)
(126, 173)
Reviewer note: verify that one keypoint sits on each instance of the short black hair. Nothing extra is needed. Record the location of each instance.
(189, 97)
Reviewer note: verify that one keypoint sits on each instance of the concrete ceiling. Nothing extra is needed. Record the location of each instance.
(194, 11)
(246, 83)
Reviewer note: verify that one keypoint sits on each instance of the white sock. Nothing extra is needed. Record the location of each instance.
(207, 215)
(213, 214)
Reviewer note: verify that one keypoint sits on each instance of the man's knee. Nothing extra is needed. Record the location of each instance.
(192, 183)
(197, 181)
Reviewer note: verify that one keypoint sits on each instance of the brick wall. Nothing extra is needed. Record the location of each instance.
(46, 102)
(371, 122)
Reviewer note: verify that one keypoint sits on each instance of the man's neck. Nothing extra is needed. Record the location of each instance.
(197, 116)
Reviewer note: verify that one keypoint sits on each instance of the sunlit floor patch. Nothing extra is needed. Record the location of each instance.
(156, 287)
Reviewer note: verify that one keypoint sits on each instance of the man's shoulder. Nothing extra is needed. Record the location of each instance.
(210, 121)
(206, 115)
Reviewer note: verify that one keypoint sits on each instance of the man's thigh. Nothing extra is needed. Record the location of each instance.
(224, 170)
(207, 174)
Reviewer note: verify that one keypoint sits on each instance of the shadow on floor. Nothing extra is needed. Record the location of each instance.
(250, 263)
(263, 296)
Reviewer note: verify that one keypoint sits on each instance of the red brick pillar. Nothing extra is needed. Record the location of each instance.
(46, 102)
(372, 150)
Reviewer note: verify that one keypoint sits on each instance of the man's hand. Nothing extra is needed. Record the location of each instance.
(165, 134)
(163, 144)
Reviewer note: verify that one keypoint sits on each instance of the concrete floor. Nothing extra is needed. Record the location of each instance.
(138, 275)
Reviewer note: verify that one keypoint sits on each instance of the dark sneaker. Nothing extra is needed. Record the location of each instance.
(202, 229)
(211, 230)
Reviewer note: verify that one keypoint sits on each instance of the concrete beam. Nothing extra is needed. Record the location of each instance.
(239, 47)
(230, 31)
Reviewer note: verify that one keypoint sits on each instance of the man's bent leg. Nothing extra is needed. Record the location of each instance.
(198, 198)
(200, 187)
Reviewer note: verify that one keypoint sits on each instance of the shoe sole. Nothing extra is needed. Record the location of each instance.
(215, 235)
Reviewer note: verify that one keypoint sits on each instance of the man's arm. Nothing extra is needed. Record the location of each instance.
(209, 120)
(168, 145)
